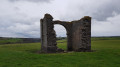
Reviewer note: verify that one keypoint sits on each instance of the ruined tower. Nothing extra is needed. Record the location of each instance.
(78, 34)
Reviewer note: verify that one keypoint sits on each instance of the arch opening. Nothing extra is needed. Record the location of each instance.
(61, 35)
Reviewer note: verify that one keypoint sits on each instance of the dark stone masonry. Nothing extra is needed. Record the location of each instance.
(78, 34)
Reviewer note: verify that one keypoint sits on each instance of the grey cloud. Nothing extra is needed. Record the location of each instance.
(110, 27)
(22, 19)
(97, 10)
(30, 0)
(26, 35)
(107, 10)
(10, 27)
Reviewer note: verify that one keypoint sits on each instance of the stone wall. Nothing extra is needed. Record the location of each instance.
(78, 34)
(81, 34)
(48, 36)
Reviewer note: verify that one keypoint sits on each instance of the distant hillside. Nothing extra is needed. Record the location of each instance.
(5, 40)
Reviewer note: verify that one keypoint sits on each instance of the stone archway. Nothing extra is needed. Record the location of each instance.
(67, 26)
(61, 35)
(78, 34)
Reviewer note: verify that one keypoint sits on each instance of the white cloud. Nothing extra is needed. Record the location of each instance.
(30, 0)
(110, 27)
(60, 30)
(20, 18)
(97, 10)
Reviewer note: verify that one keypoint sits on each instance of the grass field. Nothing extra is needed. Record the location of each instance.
(107, 54)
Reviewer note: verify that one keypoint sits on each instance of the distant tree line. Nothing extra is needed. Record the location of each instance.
(61, 38)
(5, 40)
(18, 40)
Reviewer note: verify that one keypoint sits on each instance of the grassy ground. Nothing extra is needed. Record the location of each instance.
(107, 54)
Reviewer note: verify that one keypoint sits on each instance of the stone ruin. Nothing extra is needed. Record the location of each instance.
(78, 34)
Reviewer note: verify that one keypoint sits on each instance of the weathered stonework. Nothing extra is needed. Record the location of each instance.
(78, 34)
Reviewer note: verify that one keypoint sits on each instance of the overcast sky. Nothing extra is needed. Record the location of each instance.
(21, 18)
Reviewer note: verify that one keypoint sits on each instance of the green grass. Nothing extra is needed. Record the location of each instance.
(105, 38)
(107, 54)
